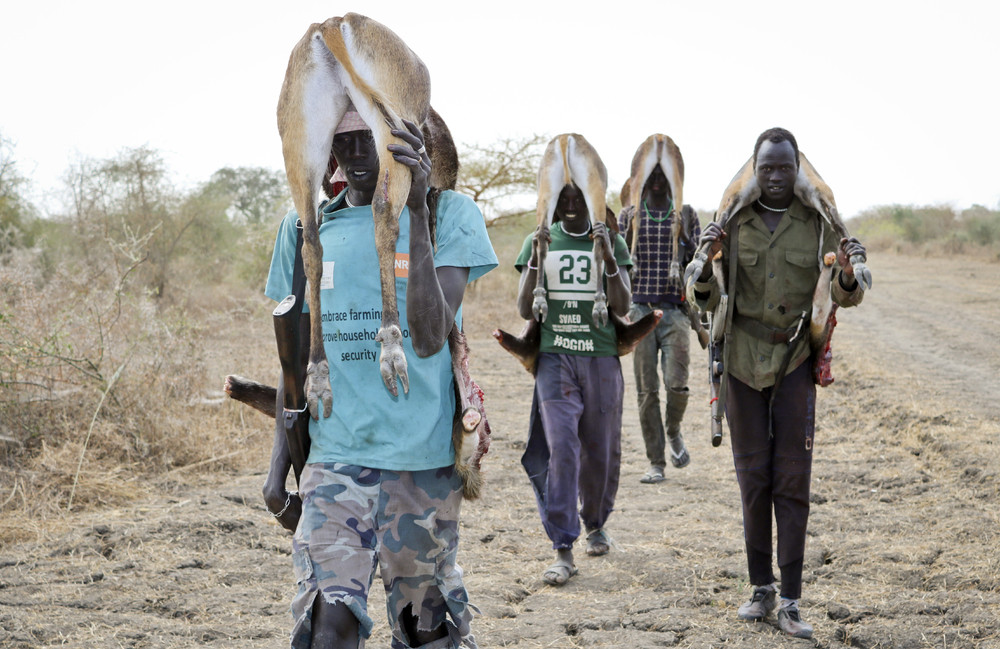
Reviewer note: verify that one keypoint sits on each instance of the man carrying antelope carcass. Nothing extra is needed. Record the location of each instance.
(779, 256)
(662, 233)
(573, 453)
(380, 486)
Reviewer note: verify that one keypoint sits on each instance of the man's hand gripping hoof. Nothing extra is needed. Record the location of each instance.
(318, 388)
(392, 362)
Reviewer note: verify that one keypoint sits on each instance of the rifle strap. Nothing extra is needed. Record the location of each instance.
(734, 250)
(792, 344)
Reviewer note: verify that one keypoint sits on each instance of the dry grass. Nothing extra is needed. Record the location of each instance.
(104, 389)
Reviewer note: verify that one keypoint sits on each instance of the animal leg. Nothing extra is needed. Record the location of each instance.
(306, 134)
(471, 416)
(258, 396)
(540, 306)
(629, 334)
(390, 196)
(317, 386)
(600, 310)
(595, 203)
(523, 346)
(471, 434)
(552, 176)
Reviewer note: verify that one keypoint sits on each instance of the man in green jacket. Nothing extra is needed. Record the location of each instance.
(771, 396)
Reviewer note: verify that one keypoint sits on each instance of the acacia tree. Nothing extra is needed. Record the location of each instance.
(126, 206)
(255, 194)
(501, 176)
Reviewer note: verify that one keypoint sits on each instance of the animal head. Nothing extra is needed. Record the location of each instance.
(657, 149)
(570, 160)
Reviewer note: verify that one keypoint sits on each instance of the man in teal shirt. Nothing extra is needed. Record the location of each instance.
(379, 486)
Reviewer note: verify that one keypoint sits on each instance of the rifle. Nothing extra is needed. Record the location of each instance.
(719, 323)
(714, 380)
(288, 323)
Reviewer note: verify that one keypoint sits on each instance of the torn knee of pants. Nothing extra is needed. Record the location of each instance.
(305, 598)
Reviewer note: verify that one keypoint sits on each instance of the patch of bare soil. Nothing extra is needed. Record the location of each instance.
(901, 553)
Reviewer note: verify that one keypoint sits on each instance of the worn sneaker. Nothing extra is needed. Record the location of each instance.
(763, 601)
(790, 622)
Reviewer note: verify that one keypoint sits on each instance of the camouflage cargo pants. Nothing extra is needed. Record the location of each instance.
(404, 522)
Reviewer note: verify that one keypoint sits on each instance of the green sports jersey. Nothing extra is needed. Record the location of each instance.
(570, 283)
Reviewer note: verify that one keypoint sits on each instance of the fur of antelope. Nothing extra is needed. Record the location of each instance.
(525, 345)
(810, 188)
(657, 149)
(570, 159)
(356, 60)
(350, 60)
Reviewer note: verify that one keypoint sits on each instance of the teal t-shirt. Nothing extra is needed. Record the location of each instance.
(570, 282)
(370, 427)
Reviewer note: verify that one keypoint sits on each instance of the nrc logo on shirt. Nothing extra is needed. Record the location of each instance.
(402, 265)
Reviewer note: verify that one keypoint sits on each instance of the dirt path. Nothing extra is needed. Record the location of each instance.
(902, 547)
(945, 340)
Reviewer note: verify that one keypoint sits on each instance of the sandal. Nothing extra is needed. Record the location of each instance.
(654, 475)
(679, 458)
(558, 573)
(597, 543)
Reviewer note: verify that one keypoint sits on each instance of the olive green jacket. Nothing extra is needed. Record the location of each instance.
(776, 276)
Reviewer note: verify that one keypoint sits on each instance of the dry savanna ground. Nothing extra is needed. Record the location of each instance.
(902, 548)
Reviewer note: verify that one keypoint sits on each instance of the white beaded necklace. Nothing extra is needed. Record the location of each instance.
(771, 209)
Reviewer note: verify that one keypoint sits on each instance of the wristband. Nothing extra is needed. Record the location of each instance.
(288, 501)
(614, 273)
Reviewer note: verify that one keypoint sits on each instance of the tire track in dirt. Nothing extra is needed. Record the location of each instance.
(936, 321)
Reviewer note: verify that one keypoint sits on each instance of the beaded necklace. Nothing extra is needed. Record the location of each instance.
(663, 218)
(772, 209)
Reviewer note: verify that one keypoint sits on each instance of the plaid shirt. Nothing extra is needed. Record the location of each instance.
(651, 282)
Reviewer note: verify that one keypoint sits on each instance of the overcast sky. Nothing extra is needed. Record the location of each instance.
(893, 102)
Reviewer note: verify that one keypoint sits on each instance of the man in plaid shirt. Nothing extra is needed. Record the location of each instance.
(669, 344)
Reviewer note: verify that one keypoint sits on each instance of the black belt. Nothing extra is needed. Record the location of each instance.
(761, 331)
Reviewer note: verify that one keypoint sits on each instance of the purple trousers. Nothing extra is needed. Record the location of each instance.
(774, 472)
(573, 453)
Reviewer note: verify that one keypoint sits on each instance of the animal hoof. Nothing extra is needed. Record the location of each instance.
(392, 362)
(863, 275)
(540, 307)
(693, 271)
(600, 313)
(318, 389)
